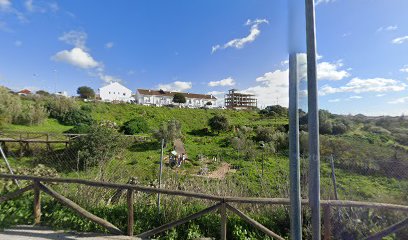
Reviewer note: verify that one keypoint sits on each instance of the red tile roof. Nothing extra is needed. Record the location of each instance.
(171, 94)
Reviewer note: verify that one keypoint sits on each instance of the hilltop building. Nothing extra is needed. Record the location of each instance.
(236, 100)
(115, 92)
(161, 98)
(24, 92)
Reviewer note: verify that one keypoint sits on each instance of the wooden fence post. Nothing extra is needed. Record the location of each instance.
(37, 203)
(223, 212)
(130, 200)
(327, 222)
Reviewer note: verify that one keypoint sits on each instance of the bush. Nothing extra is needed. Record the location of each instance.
(85, 92)
(10, 106)
(135, 126)
(79, 129)
(32, 114)
(98, 147)
(264, 134)
(218, 123)
(179, 98)
(169, 131)
(76, 117)
(275, 111)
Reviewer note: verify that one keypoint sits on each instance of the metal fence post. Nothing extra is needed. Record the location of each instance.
(160, 175)
(313, 121)
(295, 199)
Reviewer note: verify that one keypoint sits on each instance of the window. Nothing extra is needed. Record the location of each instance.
(124, 94)
(109, 92)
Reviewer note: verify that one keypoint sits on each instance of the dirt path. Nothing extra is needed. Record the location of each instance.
(221, 172)
(179, 147)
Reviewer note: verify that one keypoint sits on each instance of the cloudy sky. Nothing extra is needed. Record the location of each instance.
(208, 46)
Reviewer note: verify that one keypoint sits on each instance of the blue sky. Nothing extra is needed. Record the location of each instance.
(208, 47)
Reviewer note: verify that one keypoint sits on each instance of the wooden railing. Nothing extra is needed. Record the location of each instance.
(223, 203)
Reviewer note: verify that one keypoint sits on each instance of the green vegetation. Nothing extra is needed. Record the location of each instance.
(135, 126)
(179, 98)
(370, 156)
(85, 92)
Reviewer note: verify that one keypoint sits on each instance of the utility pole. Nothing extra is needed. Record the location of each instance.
(294, 159)
(313, 121)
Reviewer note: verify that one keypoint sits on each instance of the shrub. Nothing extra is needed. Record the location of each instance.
(264, 134)
(76, 117)
(79, 129)
(98, 147)
(32, 114)
(135, 126)
(275, 111)
(168, 131)
(218, 123)
(179, 98)
(10, 106)
(85, 92)
(58, 107)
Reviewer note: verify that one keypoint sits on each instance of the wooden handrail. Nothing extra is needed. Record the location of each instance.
(65, 201)
(178, 222)
(222, 205)
(254, 223)
(390, 230)
(270, 201)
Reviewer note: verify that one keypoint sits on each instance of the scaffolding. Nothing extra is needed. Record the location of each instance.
(236, 100)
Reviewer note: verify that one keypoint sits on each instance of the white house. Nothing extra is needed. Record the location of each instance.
(115, 92)
(161, 98)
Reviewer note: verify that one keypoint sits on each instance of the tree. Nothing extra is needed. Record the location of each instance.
(218, 123)
(86, 92)
(179, 98)
(169, 131)
(43, 93)
(135, 126)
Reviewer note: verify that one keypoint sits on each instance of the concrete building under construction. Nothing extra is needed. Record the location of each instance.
(236, 100)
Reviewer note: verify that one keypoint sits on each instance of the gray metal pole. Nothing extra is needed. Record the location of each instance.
(8, 166)
(313, 121)
(295, 200)
(160, 175)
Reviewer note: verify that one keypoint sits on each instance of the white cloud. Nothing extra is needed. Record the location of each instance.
(109, 78)
(400, 40)
(224, 82)
(177, 86)
(109, 45)
(404, 69)
(334, 100)
(380, 95)
(274, 86)
(356, 97)
(75, 38)
(29, 5)
(318, 2)
(241, 42)
(77, 57)
(388, 28)
(357, 85)
(216, 93)
(18, 43)
(399, 100)
(5, 5)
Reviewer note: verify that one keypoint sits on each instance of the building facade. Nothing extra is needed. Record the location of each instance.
(162, 98)
(236, 100)
(115, 92)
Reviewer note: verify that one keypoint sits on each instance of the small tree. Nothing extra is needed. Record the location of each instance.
(179, 98)
(168, 131)
(135, 126)
(218, 123)
(86, 92)
(43, 93)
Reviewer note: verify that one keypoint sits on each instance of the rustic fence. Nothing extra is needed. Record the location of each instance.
(222, 204)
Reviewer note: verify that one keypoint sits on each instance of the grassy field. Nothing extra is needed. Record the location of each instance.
(141, 160)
